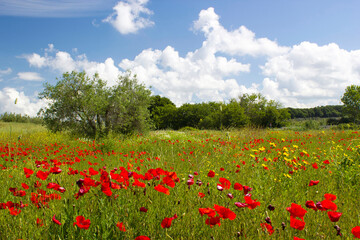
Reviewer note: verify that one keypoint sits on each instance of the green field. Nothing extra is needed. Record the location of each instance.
(169, 173)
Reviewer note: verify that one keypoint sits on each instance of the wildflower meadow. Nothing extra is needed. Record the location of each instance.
(244, 184)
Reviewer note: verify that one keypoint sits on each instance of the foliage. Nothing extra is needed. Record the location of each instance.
(329, 111)
(351, 100)
(17, 117)
(87, 107)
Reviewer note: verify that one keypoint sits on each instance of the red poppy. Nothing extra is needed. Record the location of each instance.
(28, 172)
(238, 186)
(224, 212)
(138, 183)
(142, 238)
(251, 203)
(226, 184)
(356, 231)
(14, 211)
(311, 204)
(330, 197)
(313, 182)
(42, 175)
(168, 181)
(315, 166)
(201, 195)
(268, 227)
(55, 220)
(121, 226)
(55, 170)
(81, 222)
(296, 211)
(208, 211)
(240, 205)
(246, 189)
(211, 174)
(296, 238)
(143, 209)
(166, 222)
(297, 224)
(328, 205)
(25, 186)
(334, 216)
(161, 188)
(212, 221)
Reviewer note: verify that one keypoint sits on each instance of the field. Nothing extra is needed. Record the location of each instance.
(248, 184)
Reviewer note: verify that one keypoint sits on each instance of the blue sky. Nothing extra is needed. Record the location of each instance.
(300, 53)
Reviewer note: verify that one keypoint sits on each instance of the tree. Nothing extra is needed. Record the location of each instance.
(87, 107)
(351, 100)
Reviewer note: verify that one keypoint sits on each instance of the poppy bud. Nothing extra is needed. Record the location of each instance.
(271, 207)
(220, 188)
(196, 173)
(230, 196)
(283, 225)
(199, 182)
(80, 182)
(191, 176)
(267, 220)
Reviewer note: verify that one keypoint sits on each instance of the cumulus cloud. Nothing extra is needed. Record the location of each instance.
(303, 75)
(24, 104)
(61, 62)
(128, 16)
(311, 75)
(29, 76)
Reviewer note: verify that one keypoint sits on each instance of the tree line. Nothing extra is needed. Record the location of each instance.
(87, 106)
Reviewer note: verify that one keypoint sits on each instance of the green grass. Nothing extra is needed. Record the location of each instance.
(243, 155)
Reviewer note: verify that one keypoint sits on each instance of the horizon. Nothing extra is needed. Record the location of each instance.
(301, 54)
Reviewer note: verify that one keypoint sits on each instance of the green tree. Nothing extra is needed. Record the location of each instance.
(87, 107)
(351, 100)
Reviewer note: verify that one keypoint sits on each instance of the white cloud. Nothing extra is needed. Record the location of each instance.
(29, 76)
(24, 104)
(6, 71)
(303, 75)
(61, 62)
(239, 42)
(127, 17)
(311, 75)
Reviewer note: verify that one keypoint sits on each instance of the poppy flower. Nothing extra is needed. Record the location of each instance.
(246, 189)
(142, 238)
(240, 205)
(139, 184)
(81, 222)
(328, 205)
(251, 203)
(224, 212)
(121, 226)
(296, 211)
(211, 174)
(311, 204)
(25, 186)
(356, 231)
(55, 170)
(42, 175)
(28, 172)
(313, 182)
(330, 197)
(297, 224)
(212, 221)
(201, 195)
(161, 188)
(268, 227)
(14, 211)
(238, 186)
(226, 184)
(168, 181)
(55, 220)
(166, 222)
(334, 216)
(143, 209)
(208, 211)
(296, 238)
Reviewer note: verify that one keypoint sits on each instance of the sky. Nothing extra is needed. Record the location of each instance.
(299, 53)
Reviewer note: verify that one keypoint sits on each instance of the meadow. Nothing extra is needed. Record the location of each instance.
(243, 184)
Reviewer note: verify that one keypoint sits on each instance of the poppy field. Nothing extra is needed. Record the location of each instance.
(248, 184)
